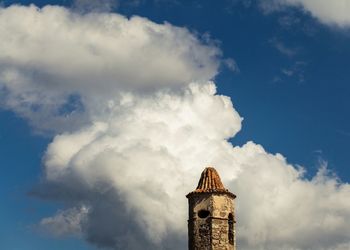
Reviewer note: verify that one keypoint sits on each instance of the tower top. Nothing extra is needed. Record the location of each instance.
(211, 214)
(210, 182)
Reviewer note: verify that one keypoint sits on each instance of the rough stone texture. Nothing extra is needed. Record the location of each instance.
(211, 214)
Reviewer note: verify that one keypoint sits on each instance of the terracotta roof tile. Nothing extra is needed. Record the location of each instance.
(210, 182)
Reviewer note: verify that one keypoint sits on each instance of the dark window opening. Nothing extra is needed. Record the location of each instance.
(203, 214)
(230, 229)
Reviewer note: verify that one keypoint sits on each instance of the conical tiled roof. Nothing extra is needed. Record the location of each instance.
(210, 182)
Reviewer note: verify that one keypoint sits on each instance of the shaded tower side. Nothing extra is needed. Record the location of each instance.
(211, 223)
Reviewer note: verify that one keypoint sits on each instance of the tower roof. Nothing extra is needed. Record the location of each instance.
(210, 182)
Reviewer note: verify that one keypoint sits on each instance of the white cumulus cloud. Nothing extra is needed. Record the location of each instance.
(52, 55)
(329, 12)
(137, 117)
(279, 209)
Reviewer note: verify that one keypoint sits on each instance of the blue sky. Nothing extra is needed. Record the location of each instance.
(285, 69)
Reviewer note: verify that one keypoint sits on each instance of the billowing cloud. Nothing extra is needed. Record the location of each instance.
(328, 12)
(146, 156)
(52, 58)
(137, 118)
(279, 209)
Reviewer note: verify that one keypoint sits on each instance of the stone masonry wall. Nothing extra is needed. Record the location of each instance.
(210, 232)
(222, 207)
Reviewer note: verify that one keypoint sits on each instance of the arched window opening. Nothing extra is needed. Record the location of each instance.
(203, 214)
(230, 229)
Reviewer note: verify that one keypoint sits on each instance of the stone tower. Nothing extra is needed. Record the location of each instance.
(211, 223)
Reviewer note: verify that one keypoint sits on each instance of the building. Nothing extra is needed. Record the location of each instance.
(211, 222)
